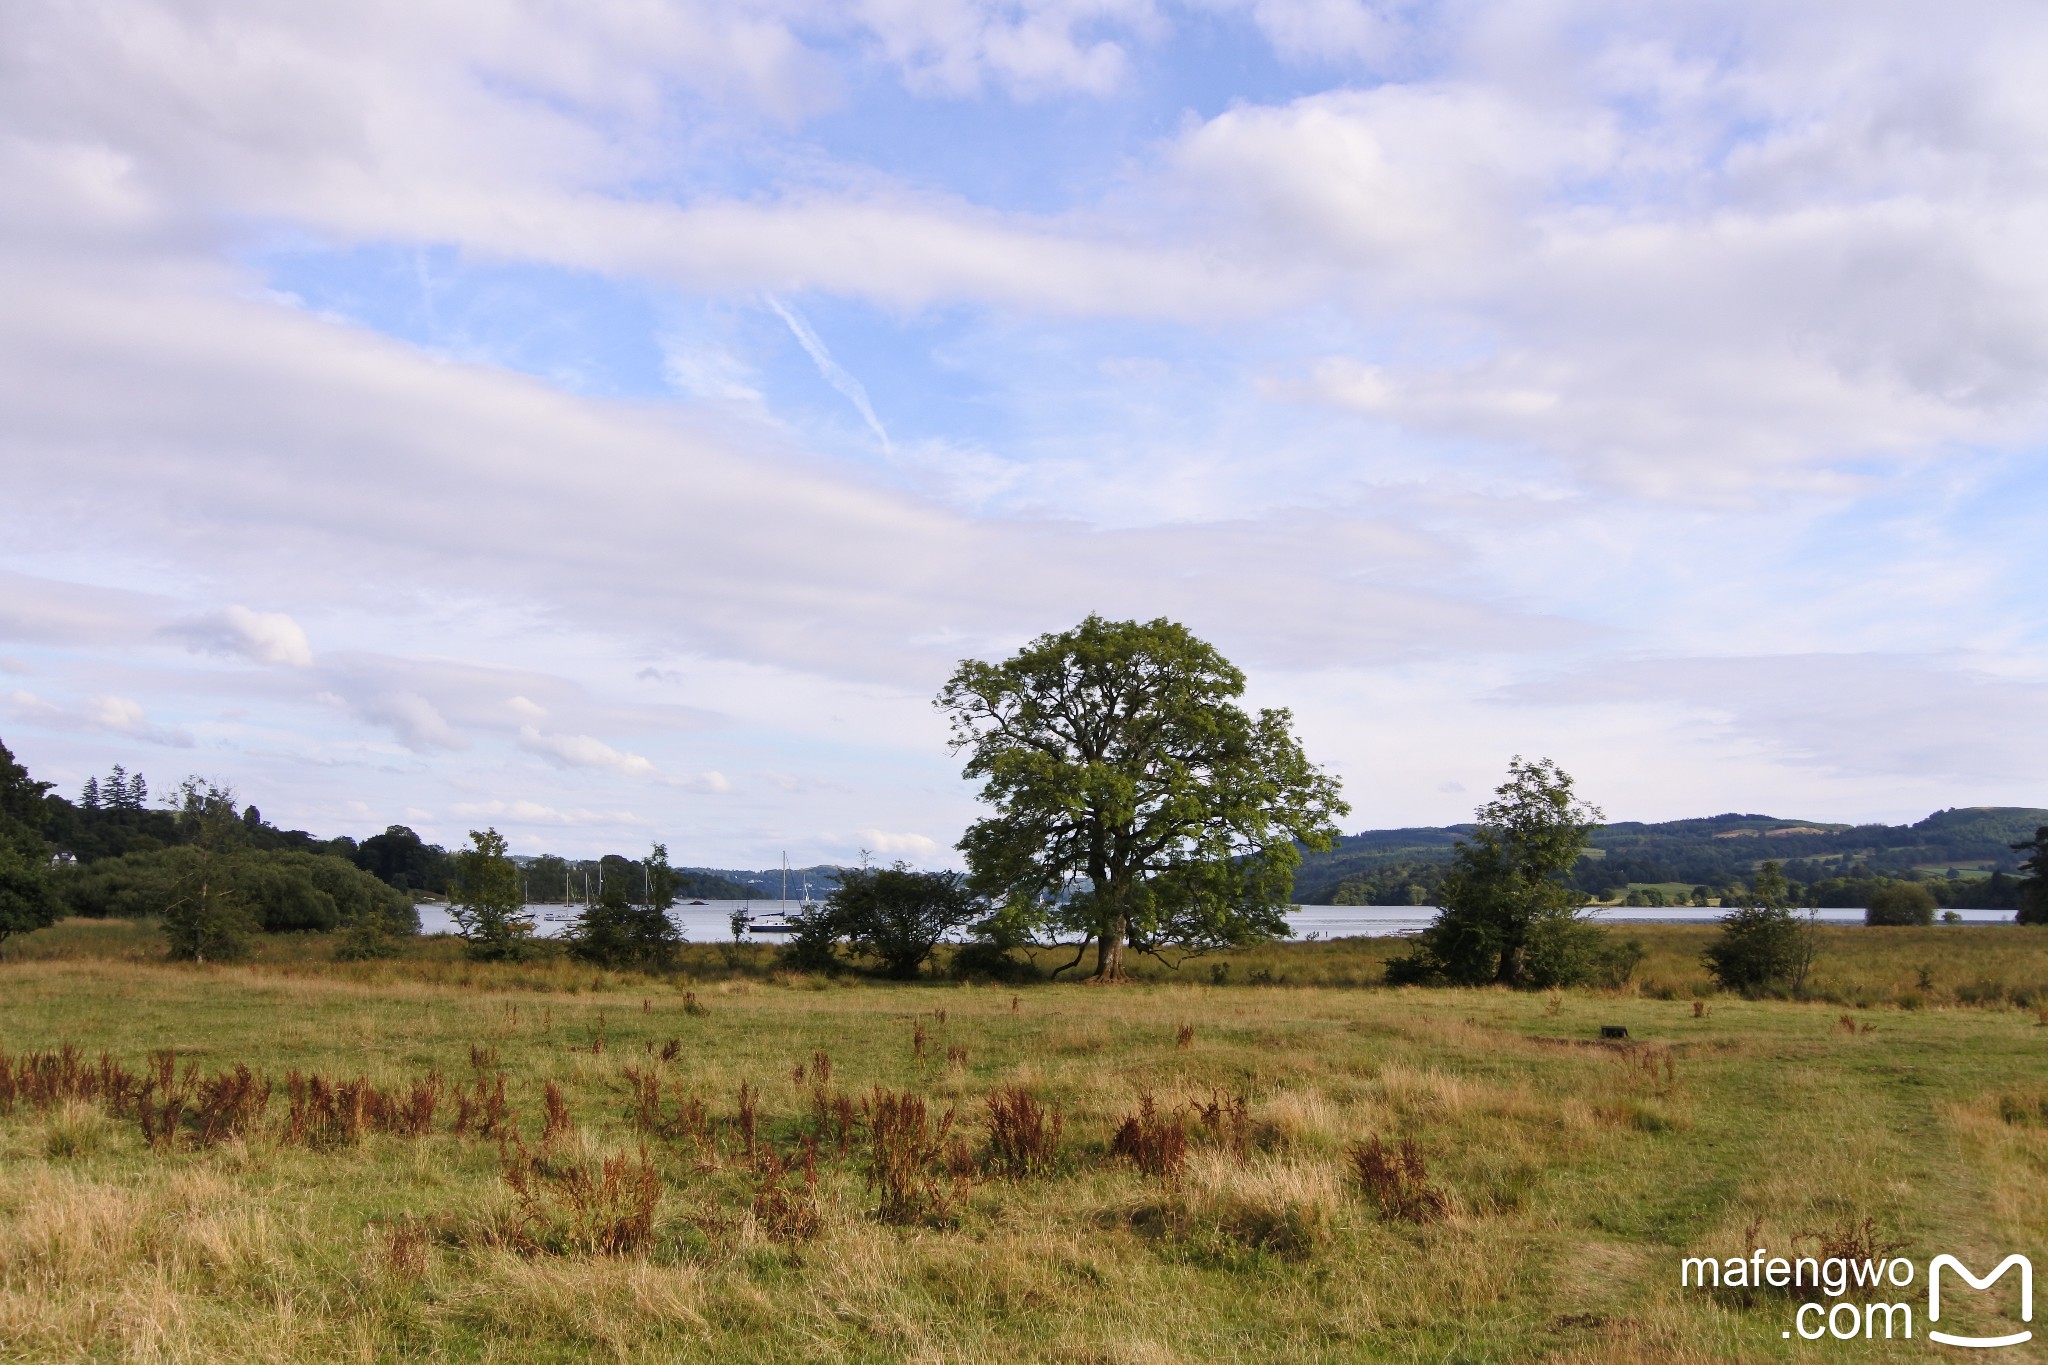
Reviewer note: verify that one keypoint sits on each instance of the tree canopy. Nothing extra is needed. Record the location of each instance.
(27, 902)
(1509, 915)
(1135, 802)
(489, 912)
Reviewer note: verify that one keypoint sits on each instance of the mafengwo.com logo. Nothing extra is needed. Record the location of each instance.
(1867, 1299)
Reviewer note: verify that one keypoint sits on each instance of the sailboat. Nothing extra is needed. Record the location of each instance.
(780, 924)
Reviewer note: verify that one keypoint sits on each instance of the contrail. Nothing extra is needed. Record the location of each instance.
(834, 373)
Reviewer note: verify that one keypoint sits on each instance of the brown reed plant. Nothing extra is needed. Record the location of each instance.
(1153, 1141)
(1184, 1037)
(43, 1080)
(956, 1057)
(694, 1007)
(687, 1120)
(575, 1208)
(671, 1049)
(918, 1039)
(1023, 1135)
(326, 1113)
(746, 1122)
(904, 1144)
(1652, 1069)
(413, 1115)
(483, 1058)
(556, 1122)
(1226, 1120)
(230, 1105)
(481, 1111)
(405, 1250)
(786, 1194)
(1397, 1180)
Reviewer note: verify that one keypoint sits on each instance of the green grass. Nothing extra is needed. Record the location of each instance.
(1578, 1173)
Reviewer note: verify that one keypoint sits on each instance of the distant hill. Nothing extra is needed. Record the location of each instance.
(740, 883)
(1404, 866)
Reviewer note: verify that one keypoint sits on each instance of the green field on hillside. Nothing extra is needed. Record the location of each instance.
(735, 1163)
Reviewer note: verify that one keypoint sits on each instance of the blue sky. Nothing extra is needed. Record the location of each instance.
(614, 424)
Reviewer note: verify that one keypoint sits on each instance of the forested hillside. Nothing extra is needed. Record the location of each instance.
(1966, 844)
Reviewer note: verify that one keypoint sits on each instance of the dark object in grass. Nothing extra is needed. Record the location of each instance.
(1397, 1179)
(1614, 1031)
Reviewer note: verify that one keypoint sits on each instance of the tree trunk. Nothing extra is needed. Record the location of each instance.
(1510, 973)
(1109, 954)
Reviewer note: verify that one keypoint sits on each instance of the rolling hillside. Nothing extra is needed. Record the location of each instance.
(1403, 866)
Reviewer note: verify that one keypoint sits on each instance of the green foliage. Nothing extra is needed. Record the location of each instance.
(399, 857)
(206, 920)
(2033, 897)
(1398, 883)
(285, 891)
(897, 916)
(618, 931)
(1900, 903)
(488, 910)
(1509, 916)
(1762, 944)
(1136, 802)
(27, 902)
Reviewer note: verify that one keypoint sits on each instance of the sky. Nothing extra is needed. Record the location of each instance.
(613, 422)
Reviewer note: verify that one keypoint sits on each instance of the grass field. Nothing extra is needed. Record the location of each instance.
(1561, 1177)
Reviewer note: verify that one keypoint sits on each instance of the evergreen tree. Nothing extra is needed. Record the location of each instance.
(89, 799)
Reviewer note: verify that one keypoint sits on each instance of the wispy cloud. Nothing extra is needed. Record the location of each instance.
(832, 371)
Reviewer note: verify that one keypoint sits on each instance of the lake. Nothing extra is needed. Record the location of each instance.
(710, 922)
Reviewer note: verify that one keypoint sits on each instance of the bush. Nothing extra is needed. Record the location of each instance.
(1760, 947)
(1900, 903)
(892, 914)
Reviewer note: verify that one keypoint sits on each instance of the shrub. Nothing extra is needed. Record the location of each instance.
(1761, 946)
(1900, 903)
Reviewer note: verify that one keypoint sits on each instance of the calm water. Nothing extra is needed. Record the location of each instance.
(710, 922)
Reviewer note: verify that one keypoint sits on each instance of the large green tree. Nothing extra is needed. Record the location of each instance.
(27, 901)
(489, 912)
(1136, 803)
(1509, 915)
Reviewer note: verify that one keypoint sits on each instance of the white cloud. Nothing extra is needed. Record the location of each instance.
(582, 751)
(110, 715)
(417, 722)
(535, 813)
(913, 848)
(266, 637)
